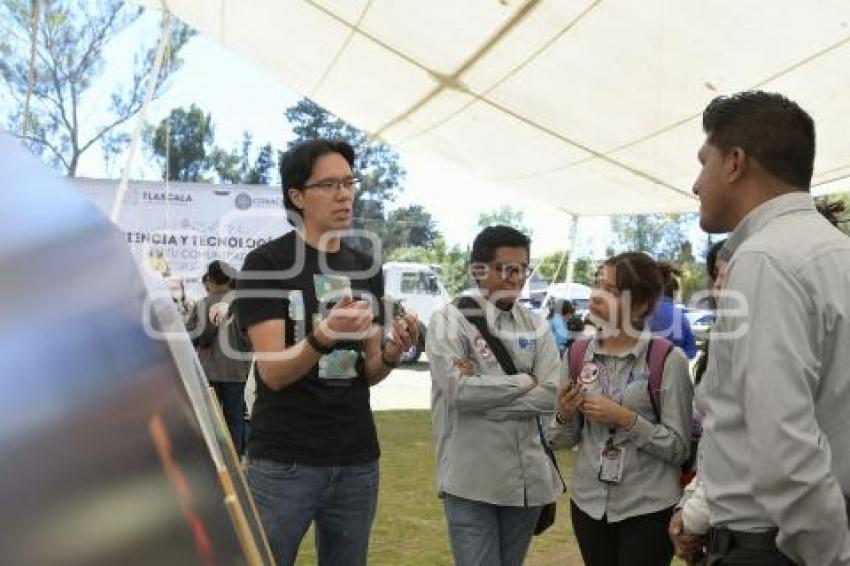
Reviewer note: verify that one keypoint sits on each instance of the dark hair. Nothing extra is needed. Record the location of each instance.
(219, 272)
(770, 128)
(831, 211)
(567, 308)
(492, 237)
(711, 259)
(641, 276)
(669, 272)
(296, 165)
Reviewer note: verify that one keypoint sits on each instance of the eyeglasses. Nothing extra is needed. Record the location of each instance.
(508, 270)
(327, 186)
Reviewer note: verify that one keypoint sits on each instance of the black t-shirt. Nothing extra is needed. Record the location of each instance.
(324, 418)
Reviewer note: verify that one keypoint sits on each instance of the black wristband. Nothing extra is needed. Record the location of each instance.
(318, 346)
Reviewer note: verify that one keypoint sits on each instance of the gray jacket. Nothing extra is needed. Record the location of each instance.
(653, 451)
(485, 426)
(208, 338)
(775, 451)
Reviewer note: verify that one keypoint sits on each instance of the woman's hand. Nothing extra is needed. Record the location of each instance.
(602, 410)
(569, 402)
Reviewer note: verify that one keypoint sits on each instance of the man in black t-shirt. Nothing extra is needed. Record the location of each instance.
(313, 310)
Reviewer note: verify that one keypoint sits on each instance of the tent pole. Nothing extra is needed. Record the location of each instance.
(571, 262)
(118, 203)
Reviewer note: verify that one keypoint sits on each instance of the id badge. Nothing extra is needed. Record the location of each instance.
(611, 464)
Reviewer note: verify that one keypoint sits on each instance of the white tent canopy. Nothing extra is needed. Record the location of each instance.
(590, 106)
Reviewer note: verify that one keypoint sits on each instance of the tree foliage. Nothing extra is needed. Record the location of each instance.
(70, 44)
(506, 216)
(184, 145)
(660, 235)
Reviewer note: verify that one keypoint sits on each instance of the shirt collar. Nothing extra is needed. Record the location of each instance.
(764, 214)
(492, 311)
(636, 351)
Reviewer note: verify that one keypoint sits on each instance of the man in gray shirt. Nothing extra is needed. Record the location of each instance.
(493, 473)
(775, 452)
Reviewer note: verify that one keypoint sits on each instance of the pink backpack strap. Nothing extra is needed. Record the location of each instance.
(656, 355)
(576, 353)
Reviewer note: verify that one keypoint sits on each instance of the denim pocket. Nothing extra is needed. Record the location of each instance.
(271, 469)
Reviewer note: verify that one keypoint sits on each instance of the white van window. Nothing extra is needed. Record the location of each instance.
(411, 283)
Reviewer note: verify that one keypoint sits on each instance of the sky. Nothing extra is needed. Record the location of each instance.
(240, 97)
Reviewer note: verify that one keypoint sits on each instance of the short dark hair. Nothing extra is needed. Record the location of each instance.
(219, 272)
(296, 165)
(669, 272)
(485, 243)
(641, 276)
(770, 128)
(711, 259)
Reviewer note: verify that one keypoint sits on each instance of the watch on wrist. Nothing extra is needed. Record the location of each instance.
(318, 346)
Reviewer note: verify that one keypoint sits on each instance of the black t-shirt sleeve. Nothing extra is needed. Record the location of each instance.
(270, 304)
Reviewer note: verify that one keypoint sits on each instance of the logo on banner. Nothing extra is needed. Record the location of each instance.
(243, 201)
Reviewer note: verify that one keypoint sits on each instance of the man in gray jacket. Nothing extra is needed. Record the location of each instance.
(493, 473)
(212, 328)
(775, 451)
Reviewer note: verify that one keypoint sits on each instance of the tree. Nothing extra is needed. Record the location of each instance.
(661, 235)
(186, 140)
(181, 141)
(410, 226)
(377, 164)
(69, 59)
(553, 268)
(506, 216)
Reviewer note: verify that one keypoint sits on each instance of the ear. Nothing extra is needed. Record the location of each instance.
(736, 163)
(297, 198)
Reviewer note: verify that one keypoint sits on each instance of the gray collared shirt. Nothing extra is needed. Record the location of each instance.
(485, 425)
(775, 451)
(653, 451)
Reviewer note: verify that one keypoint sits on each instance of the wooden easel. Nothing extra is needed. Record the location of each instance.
(237, 495)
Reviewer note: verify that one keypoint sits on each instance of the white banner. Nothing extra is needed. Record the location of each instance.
(179, 229)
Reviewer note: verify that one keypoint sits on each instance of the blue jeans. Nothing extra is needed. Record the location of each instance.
(231, 395)
(483, 534)
(341, 500)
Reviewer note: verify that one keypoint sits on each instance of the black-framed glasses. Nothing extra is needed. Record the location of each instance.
(506, 271)
(327, 186)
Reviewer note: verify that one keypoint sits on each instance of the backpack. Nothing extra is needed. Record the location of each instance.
(656, 355)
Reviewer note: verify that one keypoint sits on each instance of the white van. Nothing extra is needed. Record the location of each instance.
(576, 293)
(420, 291)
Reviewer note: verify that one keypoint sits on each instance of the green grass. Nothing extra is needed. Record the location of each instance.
(409, 527)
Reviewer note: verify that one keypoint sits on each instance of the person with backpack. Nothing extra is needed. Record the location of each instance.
(215, 337)
(494, 371)
(625, 401)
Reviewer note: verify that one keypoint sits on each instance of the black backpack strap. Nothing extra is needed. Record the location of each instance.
(474, 313)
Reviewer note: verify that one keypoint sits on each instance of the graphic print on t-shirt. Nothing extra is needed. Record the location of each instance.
(296, 313)
(341, 364)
